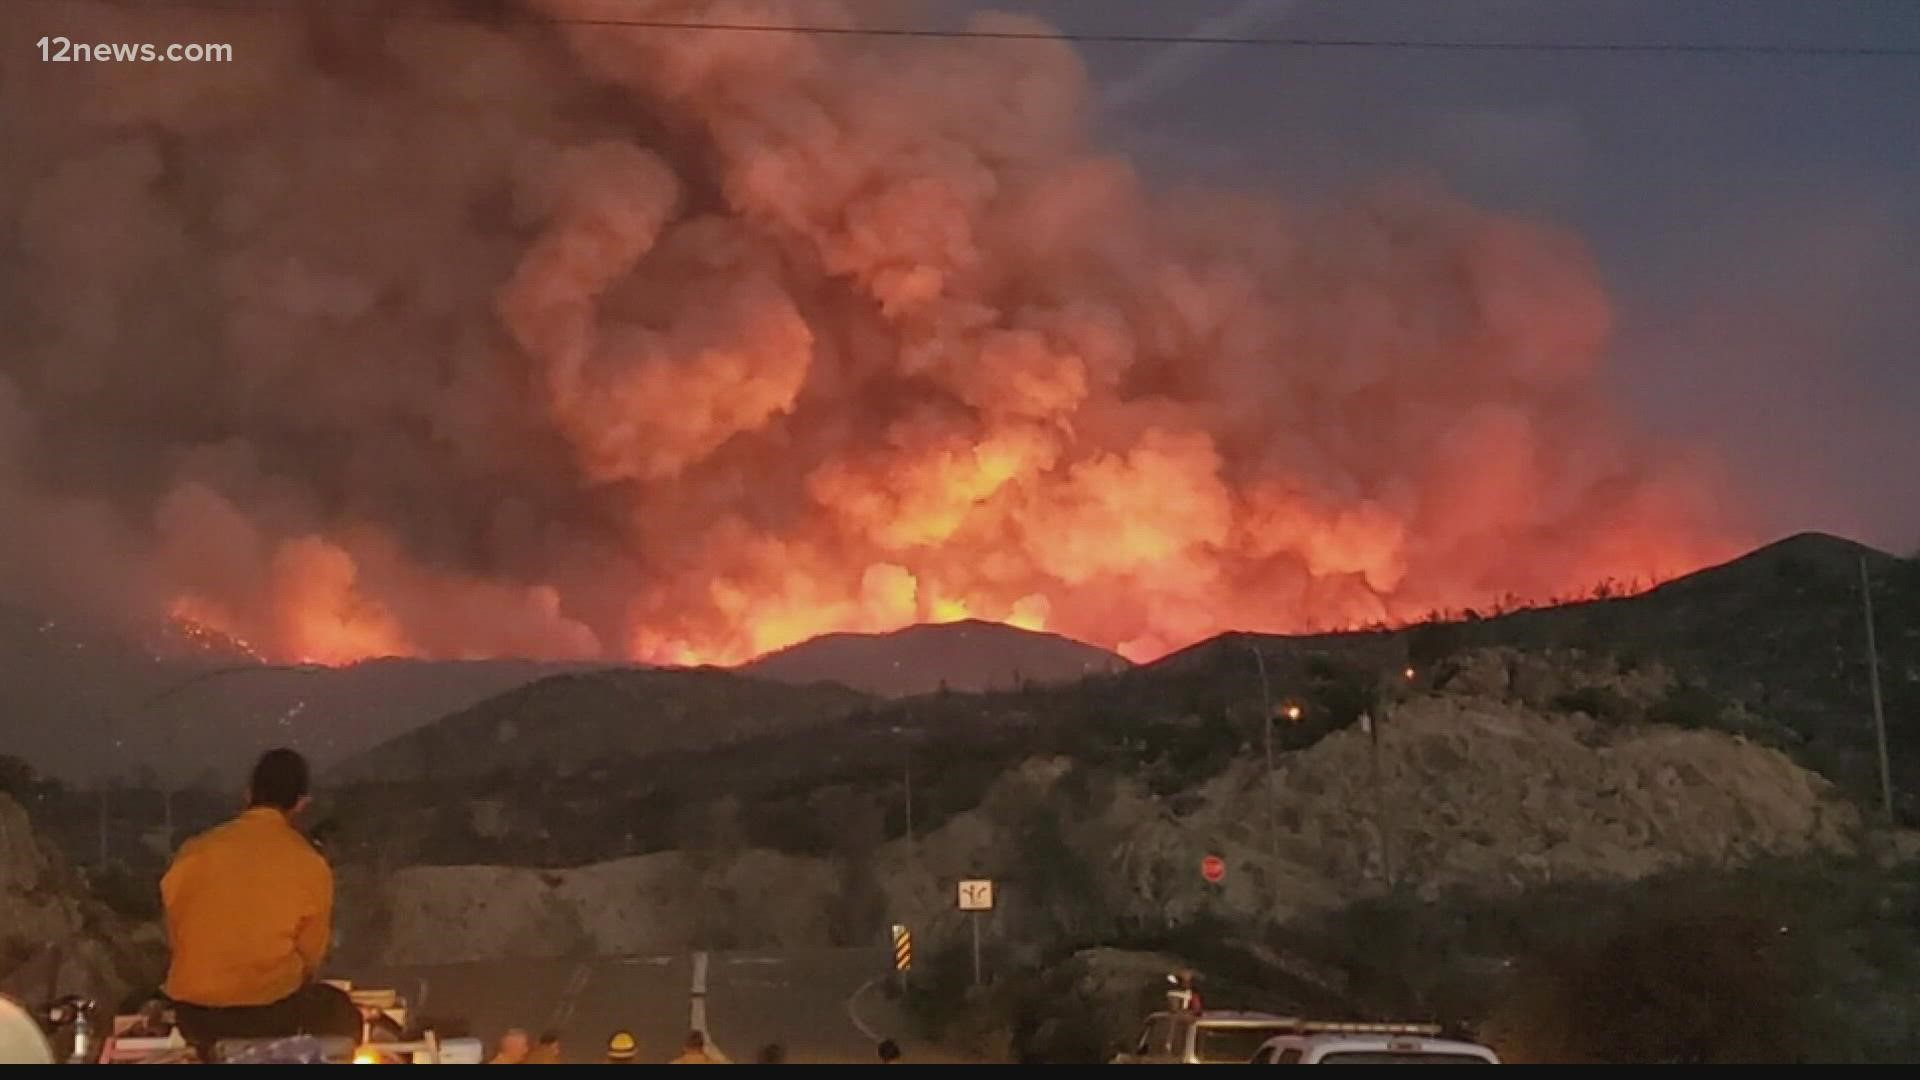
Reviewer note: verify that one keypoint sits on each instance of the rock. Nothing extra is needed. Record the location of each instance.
(53, 936)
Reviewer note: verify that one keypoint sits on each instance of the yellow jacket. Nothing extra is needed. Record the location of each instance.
(249, 912)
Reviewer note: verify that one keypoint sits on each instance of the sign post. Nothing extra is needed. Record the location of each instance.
(976, 897)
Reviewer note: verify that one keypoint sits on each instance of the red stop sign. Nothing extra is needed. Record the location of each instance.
(1213, 868)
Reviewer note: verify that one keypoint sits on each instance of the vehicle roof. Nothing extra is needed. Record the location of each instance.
(1227, 1018)
(1337, 1041)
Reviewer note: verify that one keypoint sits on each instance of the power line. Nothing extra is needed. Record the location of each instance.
(1680, 48)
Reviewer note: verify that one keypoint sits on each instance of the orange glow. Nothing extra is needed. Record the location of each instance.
(905, 344)
(321, 614)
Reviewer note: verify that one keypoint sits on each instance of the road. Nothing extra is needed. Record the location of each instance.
(814, 1002)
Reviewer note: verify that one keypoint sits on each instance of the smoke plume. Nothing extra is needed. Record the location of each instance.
(487, 331)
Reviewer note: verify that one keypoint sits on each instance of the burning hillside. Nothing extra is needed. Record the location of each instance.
(479, 334)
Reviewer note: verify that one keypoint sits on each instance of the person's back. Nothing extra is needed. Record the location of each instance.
(249, 907)
(694, 1051)
(248, 912)
(512, 1049)
(546, 1051)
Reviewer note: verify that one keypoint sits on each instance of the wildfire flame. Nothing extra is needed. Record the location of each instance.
(684, 347)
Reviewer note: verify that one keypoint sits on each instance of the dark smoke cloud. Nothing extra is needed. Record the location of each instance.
(474, 335)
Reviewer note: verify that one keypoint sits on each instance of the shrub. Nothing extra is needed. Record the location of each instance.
(1432, 642)
(1599, 702)
(1666, 988)
(1688, 706)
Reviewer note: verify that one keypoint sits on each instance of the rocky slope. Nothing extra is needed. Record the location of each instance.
(1478, 787)
(54, 939)
(1472, 795)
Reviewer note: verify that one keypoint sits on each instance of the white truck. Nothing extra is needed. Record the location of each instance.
(1213, 1037)
(1221, 1037)
(1338, 1043)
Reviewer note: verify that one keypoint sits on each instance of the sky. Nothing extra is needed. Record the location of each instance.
(1757, 218)
(684, 345)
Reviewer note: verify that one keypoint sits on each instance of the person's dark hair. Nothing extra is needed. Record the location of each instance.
(772, 1054)
(279, 779)
(549, 1037)
(696, 1041)
(889, 1050)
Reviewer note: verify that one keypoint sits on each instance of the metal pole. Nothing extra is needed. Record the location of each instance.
(1266, 720)
(1380, 798)
(975, 920)
(1873, 680)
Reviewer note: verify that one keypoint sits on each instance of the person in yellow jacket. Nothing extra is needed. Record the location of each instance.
(249, 911)
(622, 1049)
(694, 1051)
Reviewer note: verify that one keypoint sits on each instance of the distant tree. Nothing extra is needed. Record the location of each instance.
(1599, 702)
(1432, 642)
(1687, 705)
(17, 778)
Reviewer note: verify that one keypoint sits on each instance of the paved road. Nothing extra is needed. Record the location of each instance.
(815, 1002)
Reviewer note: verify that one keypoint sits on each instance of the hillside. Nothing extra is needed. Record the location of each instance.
(83, 705)
(1770, 645)
(970, 655)
(1766, 648)
(590, 721)
(1476, 794)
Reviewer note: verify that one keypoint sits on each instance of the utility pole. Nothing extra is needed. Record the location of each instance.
(906, 771)
(1873, 680)
(1266, 721)
(1380, 795)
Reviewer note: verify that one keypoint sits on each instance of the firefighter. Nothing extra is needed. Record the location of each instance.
(622, 1049)
(249, 908)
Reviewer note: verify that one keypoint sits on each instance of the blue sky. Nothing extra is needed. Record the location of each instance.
(1757, 218)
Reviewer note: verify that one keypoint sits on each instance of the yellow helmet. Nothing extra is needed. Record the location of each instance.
(621, 1046)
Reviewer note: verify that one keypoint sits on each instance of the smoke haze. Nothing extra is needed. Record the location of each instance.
(475, 335)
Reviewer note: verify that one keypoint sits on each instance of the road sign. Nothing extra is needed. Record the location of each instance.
(976, 895)
(902, 948)
(1213, 868)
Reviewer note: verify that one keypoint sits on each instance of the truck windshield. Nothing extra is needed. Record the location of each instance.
(1231, 1045)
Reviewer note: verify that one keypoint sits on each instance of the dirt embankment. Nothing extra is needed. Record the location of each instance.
(1479, 787)
(644, 904)
(54, 937)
